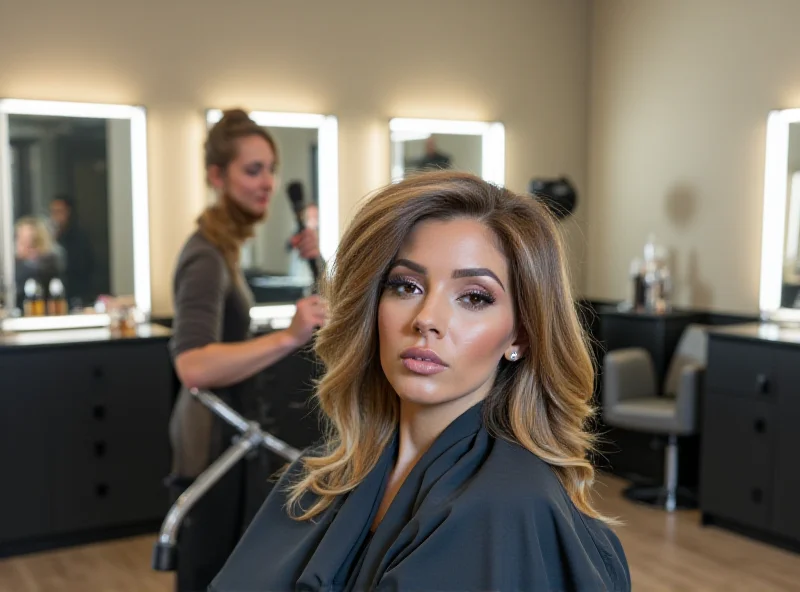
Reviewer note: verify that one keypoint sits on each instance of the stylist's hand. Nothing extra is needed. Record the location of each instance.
(307, 242)
(311, 314)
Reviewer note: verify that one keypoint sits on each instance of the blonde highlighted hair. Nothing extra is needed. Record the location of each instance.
(43, 240)
(541, 403)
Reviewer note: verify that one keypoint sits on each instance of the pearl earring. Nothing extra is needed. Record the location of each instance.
(514, 356)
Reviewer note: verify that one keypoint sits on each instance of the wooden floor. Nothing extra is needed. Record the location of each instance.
(665, 553)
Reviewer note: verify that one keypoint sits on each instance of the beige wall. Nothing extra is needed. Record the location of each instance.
(680, 93)
(519, 61)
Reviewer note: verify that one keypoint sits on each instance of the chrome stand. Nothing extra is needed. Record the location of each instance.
(165, 555)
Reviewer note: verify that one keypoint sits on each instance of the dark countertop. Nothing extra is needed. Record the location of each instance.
(643, 314)
(145, 331)
(772, 332)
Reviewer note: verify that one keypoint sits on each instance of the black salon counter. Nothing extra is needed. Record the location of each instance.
(76, 337)
(750, 437)
(83, 435)
(785, 335)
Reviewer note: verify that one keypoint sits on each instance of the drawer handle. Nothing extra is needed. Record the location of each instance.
(100, 449)
(762, 384)
(760, 426)
(99, 412)
(756, 495)
(101, 490)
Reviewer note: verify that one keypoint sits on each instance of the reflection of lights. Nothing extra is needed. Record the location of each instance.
(328, 163)
(409, 136)
(492, 134)
(276, 316)
(438, 126)
(327, 127)
(275, 119)
(74, 321)
(272, 311)
(494, 154)
(793, 238)
(136, 116)
(773, 231)
(63, 109)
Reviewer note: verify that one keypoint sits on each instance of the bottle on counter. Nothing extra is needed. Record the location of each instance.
(57, 303)
(637, 287)
(664, 278)
(657, 281)
(34, 304)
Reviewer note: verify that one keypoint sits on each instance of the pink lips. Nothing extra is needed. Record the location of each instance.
(422, 361)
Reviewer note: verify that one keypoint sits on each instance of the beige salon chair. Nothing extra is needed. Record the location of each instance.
(631, 400)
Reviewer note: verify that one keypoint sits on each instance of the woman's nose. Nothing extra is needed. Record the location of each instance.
(433, 316)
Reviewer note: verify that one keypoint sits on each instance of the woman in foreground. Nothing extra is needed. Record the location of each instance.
(457, 386)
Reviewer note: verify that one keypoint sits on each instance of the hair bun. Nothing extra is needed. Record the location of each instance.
(235, 117)
(220, 145)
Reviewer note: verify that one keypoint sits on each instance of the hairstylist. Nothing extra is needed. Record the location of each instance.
(212, 347)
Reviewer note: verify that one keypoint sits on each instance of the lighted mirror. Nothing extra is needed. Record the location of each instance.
(780, 264)
(308, 168)
(429, 144)
(74, 206)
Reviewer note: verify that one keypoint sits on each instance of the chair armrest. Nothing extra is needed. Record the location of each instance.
(627, 374)
(687, 399)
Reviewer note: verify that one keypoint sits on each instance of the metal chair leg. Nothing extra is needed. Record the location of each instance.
(669, 495)
(671, 473)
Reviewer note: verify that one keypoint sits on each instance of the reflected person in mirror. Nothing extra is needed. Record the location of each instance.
(79, 261)
(35, 257)
(434, 159)
(458, 386)
(212, 346)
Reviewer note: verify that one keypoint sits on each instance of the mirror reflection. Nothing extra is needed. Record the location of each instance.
(71, 211)
(435, 144)
(275, 270)
(437, 151)
(790, 289)
(306, 188)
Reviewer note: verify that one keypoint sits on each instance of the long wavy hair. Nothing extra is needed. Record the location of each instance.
(225, 224)
(541, 403)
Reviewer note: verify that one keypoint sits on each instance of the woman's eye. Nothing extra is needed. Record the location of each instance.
(477, 300)
(402, 287)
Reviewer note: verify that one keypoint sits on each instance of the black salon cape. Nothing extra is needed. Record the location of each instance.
(475, 513)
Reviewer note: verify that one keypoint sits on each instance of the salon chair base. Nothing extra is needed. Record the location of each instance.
(656, 496)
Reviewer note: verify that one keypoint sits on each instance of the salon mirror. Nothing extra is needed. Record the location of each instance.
(435, 144)
(308, 164)
(780, 260)
(74, 208)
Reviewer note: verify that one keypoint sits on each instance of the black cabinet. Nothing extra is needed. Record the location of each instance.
(29, 395)
(750, 439)
(83, 437)
(737, 459)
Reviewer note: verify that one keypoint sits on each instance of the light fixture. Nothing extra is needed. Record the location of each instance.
(492, 141)
(136, 115)
(73, 321)
(773, 222)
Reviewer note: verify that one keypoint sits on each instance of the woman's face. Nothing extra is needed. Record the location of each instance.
(26, 243)
(446, 315)
(249, 179)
